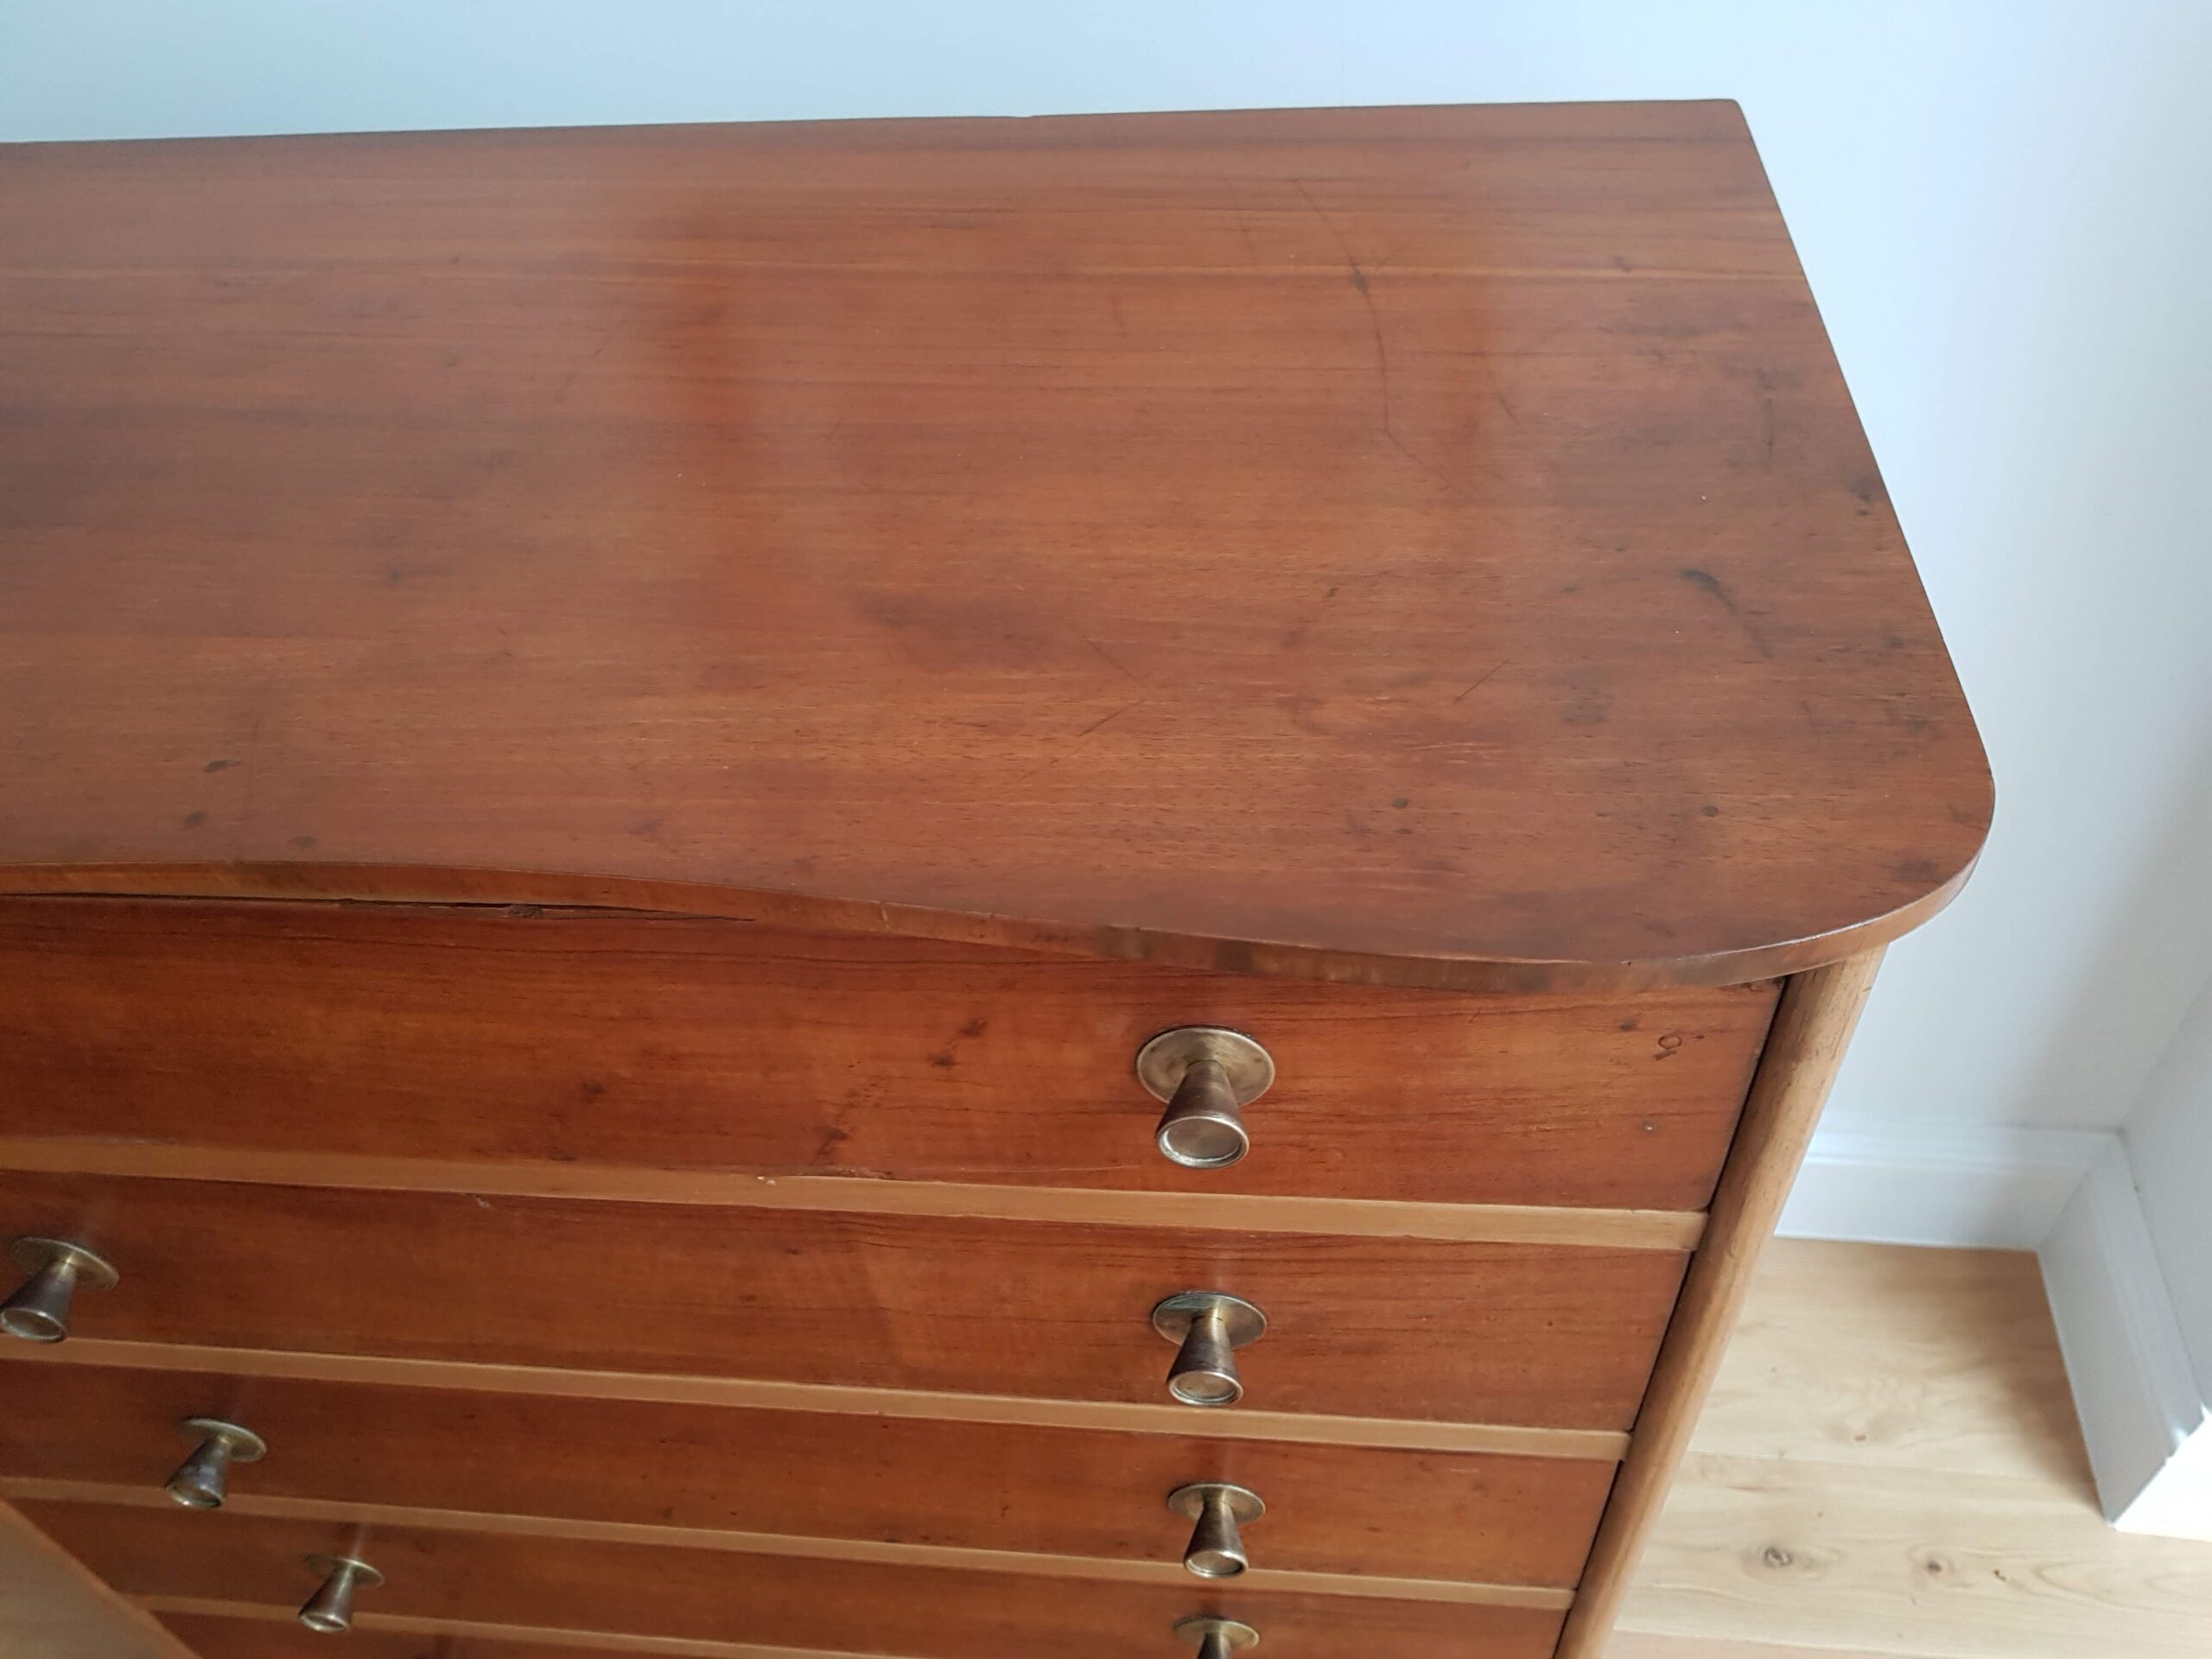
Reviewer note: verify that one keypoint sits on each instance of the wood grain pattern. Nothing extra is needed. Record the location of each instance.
(239, 1630)
(1863, 1380)
(1547, 1337)
(476, 1036)
(1424, 545)
(1984, 1569)
(1859, 1356)
(1889, 1467)
(1060, 1569)
(1635, 1229)
(1088, 1569)
(1811, 1029)
(1246, 1423)
(1640, 1644)
(825, 1476)
(929, 1613)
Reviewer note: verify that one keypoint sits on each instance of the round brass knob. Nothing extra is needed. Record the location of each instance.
(1210, 1327)
(1216, 1638)
(1207, 1075)
(1216, 1546)
(39, 1311)
(330, 1610)
(200, 1480)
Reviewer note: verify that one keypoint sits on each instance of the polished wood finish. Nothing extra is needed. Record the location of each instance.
(479, 1036)
(809, 644)
(1647, 1229)
(243, 1632)
(1246, 1423)
(1331, 1508)
(1811, 1030)
(365, 1518)
(273, 1636)
(1430, 546)
(1364, 1326)
(844, 1606)
(1879, 1408)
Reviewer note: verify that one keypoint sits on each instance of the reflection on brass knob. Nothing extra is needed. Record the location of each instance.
(1216, 1546)
(1217, 1638)
(1211, 1327)
(39, 1312)
(330, 1610)
(1207, 1075)
(199, 1480)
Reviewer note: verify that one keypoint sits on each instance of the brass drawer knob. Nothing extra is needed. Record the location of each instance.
(1210, 1327)
(200, 1480)
(39, 1311)
(1216, 1638)
(1207, 1075)
(1216, 1546)
(330, 1610)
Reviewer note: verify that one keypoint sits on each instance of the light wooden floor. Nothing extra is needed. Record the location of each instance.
(1888, 1468)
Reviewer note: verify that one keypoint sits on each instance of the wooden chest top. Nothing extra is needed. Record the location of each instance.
(1430, 546)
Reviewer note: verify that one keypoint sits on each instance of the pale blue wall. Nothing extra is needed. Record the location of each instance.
(2006, 211)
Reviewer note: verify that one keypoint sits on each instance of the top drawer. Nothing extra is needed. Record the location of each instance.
(680, 1043)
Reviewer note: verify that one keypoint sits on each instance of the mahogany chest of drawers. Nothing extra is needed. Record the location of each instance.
(929, 889)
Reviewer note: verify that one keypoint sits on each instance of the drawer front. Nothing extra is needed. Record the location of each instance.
(1049, 1490)
(1550, 1336)
(271, 1633)
(772, 1600)
(683, 1044)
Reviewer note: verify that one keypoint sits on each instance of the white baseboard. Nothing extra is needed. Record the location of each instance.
(1996, 1188)
(2142, 1408)
(2071, 1196)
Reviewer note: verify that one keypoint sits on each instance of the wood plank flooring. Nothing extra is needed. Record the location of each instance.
(1888, 1468)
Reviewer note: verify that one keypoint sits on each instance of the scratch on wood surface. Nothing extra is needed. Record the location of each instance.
(1705, 583)
(1480, 683)
(1097, 725)
(568, 381)
(252, 767)
(1109, 657)
(1375, 328)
